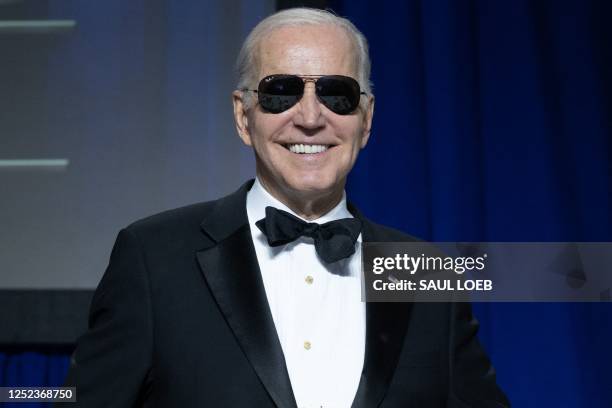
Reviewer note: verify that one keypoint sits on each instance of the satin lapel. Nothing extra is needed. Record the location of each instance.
(232, 273)
(386, 325)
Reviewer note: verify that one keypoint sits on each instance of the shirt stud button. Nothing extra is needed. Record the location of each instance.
(307, 345)
(309, 279)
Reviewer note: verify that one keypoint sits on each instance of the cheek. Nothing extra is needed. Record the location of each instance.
(260, 131)
(352, 152)
(265, 128)
(353, 140)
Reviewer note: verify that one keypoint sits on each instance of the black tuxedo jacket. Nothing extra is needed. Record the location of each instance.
(181, 319)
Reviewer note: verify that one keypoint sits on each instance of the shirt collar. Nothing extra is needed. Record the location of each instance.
(258, 198)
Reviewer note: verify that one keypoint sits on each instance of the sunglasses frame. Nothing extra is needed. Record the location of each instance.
(305, 79)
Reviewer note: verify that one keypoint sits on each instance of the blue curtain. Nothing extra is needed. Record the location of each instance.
(22, 367)
(492, 123)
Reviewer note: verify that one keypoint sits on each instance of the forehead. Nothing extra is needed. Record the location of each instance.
(307, 50)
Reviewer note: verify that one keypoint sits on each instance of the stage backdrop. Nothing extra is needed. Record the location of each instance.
(135, 97)
(493, 123)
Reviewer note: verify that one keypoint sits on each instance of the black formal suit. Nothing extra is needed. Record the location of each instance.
(181, 319)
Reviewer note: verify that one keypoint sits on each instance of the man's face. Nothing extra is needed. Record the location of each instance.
(305, 50)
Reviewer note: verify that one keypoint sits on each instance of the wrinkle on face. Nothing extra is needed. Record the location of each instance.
(317, 55)
(310, 185)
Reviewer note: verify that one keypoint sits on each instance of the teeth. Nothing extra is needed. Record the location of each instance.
(307, 149)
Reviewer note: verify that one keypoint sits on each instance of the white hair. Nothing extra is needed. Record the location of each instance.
(247, 63)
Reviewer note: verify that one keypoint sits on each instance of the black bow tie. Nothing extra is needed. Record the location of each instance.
(333, 240)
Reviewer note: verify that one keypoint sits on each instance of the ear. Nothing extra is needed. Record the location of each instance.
(240, 117)
(367, 121)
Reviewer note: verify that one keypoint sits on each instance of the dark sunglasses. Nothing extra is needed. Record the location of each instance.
(277, 93)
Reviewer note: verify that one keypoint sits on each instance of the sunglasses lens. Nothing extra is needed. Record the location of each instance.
(339, 93)
(277, 93)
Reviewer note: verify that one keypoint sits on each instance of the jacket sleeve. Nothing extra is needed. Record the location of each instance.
(472, 377)
(112, 360)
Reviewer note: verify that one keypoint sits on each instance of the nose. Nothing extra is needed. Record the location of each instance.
(309, 115)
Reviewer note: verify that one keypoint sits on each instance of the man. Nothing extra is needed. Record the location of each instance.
(253, 300)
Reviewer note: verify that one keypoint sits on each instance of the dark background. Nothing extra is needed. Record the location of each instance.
(492, 123)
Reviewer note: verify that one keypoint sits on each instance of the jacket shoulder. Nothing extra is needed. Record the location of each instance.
(185, 225)
(170, 225)
(383, 233)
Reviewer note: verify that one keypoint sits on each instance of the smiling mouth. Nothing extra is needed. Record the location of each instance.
(306, 148)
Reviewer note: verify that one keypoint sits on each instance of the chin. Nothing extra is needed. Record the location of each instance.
(315, 184)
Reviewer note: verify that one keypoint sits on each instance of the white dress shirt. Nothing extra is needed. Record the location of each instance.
(316, 307)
